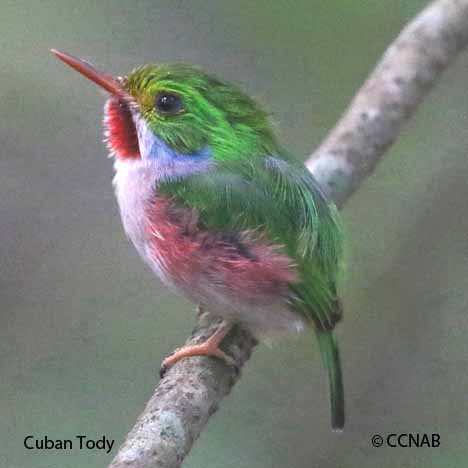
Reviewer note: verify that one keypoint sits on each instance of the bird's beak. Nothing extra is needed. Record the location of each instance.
(104, 80)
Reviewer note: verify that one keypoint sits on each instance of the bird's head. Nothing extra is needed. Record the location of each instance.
(179, 109)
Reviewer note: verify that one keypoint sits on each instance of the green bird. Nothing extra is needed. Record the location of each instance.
(220, 211)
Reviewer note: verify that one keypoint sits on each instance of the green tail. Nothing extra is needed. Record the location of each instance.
(331, 361)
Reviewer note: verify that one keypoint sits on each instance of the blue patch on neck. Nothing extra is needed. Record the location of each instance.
(169, 163)
(162, 151)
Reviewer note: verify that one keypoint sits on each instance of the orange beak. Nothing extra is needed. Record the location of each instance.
(104, 80)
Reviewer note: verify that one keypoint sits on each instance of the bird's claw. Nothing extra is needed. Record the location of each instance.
(163, 371)
(221, 355)
(208, 348)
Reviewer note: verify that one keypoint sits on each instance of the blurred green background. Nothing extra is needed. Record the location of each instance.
(83, 323)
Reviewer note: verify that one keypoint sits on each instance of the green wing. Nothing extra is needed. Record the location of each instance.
(281, 199)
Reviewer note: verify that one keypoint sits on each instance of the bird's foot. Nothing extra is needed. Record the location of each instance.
(208, 348)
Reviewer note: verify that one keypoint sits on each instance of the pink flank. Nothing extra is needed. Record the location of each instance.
(241, 266)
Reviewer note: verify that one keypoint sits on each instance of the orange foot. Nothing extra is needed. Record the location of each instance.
(208, 348)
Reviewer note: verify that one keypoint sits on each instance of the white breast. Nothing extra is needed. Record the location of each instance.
(134, 184)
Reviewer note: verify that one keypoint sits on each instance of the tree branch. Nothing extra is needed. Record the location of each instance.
(192, 390)
(406, 73)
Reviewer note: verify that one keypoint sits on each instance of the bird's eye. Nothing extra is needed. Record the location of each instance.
(169, 104)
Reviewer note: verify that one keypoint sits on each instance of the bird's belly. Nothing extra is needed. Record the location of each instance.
(233, 277)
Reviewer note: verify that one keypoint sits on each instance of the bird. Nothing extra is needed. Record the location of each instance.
(220, 211)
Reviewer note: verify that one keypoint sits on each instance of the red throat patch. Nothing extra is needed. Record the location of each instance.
(120, 132)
